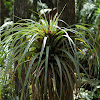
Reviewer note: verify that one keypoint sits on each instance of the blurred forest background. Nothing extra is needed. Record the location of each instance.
(81, 16)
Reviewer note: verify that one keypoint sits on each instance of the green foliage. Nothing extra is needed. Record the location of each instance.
(7, 91)
(49, 56)
(47, 53)
(89, 14)
(98, 9)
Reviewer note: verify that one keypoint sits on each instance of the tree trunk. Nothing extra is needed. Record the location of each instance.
(21, 11)
(2, 15)
(49, 3)
(35, 9)
(68, 15)
(1, 12)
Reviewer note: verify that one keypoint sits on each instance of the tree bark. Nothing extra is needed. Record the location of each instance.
(35, 9)
(1, 12)
(49, 3)
(21, 11)
(68, 16)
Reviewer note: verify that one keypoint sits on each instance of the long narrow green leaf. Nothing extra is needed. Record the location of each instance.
(27, 75)
(29, 44)
(40, 69)
(55, 89)
(84, 70)
(46, 69)
(60, 70)
(68, 74)
(75, 62)
(41, 53)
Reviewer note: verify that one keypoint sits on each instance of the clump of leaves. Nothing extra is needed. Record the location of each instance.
(45, 57)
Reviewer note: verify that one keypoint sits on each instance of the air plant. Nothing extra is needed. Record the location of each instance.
(47, 55)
